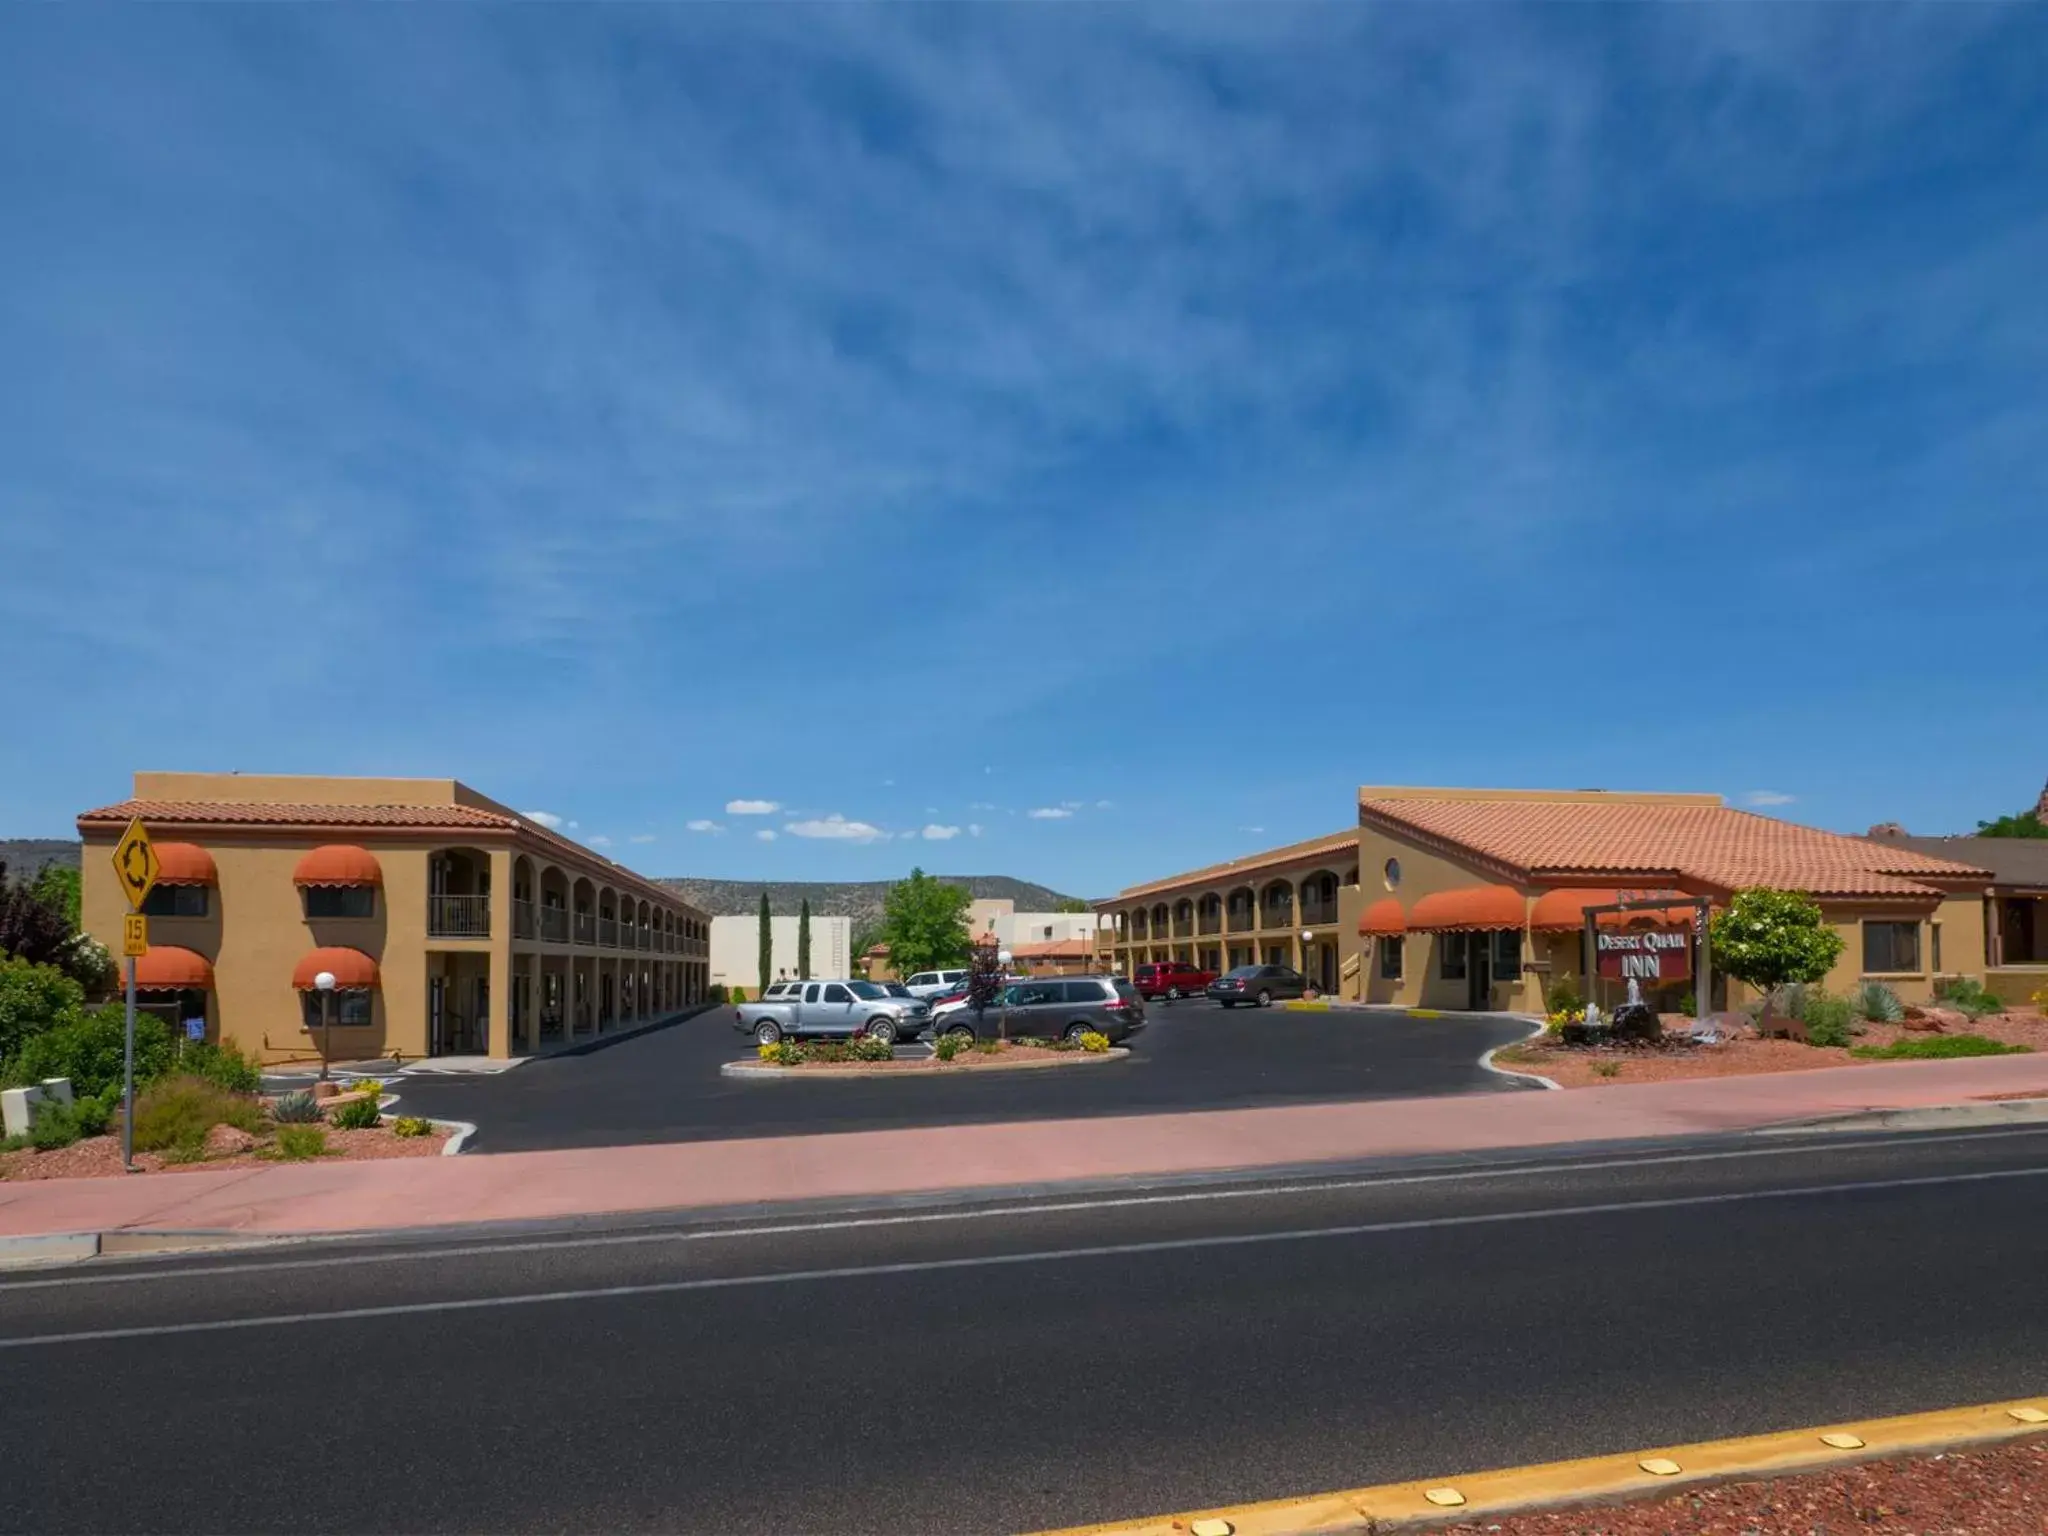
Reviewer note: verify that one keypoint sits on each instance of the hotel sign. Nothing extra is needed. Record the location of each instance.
(1643, 954)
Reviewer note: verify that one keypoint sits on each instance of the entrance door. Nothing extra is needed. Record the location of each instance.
(1479, 971)
(480, 1021)
(437, 1011)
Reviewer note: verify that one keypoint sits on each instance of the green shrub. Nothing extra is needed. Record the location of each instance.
(1607, 1069)
(86, 1046)
(32, 998)
(990, 1047)
(1829, 1020)
(946, 1047)
(94, 1112)
(13, 1143)
(225, 1066)
(1094, 1043)
(356, 1114)
(181, 1110)
(411, 1125)
(1689, 1004)
(1938, 1048)
(297, 1143)
(1875, 1001)
(54, 1126)
(1562, 996)
(1968, 996)
(295, 1108)
(867, 1048)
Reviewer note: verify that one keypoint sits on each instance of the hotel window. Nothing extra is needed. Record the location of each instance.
(341, 901)
(351, 1007)
(1507, 954)
(1390, 959)
(1891, 947)
(1934, 947)
(1450, 950)
(175, 901)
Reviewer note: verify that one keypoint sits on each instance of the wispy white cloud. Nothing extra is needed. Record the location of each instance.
(1050, 812)
(766, 834)
(599, 841)
(546, 819)
(974, 829)
(752, 807)
(1255, 831)
(704, 824)
(1105, 805)
(1768, 797)
(939, 834)
(836, 828)
(643, 837)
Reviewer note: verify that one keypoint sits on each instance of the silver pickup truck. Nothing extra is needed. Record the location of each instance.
(828, 1008)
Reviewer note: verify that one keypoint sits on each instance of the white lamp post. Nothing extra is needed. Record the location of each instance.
(324, 985)
(1307, 938)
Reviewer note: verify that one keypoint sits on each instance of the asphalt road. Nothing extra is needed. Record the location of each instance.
(664, 1085)
(988, 1368)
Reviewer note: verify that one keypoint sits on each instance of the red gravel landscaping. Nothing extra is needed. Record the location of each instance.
(1997, 1492)
(1582, 1068)
(97, 1157)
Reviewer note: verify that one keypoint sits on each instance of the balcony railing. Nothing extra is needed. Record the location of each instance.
(1314, 914)
(647, 938)
(522, 919)
(1183, 928)
(608, 932)
(459, 917)
(554, 924)
(1212, 923)
(586, 927)
(1240, 920)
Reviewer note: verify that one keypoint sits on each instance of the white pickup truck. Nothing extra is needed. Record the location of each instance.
(833, 1008)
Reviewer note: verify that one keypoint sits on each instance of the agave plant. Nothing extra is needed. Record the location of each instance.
(296, 1108)
(1875, 1001)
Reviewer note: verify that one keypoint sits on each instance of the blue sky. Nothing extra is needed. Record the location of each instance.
(1160, 420)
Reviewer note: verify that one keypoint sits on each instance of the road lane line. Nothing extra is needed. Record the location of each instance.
(1001, 1260)
(978, 1213)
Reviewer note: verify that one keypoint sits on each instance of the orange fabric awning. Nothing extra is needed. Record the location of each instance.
(338, 864)
(1469, 907)
(352, 968)
(1384, 919)
(1565, 910)
(184, 864)
(167, 968)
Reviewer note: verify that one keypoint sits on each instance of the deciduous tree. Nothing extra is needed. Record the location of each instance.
(924, 923)
(1771, 938)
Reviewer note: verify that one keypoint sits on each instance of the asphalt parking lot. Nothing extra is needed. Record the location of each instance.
(665, 1085)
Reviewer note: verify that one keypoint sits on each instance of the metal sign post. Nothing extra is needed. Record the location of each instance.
(135, 867)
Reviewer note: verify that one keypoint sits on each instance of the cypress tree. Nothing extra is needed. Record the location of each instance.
(767, 947)
(803, 941)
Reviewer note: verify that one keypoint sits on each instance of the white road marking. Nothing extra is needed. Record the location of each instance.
(977, 1213)
(1003, 1260)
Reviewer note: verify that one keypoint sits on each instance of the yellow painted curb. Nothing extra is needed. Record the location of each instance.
(1599, 1479)
(1303, 1005)
(1425, 1013)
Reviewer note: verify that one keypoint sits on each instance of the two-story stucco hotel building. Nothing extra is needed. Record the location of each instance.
(1477, 898)
(450, 923)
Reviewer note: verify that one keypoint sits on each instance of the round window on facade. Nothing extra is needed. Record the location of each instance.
(1393, 873)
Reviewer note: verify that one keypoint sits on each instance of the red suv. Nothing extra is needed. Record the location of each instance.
(1171, 979)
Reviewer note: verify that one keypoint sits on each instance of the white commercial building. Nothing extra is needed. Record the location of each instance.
(736, 949)
(1013, 928)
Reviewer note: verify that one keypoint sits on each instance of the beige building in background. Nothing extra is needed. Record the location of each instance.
(1477, 898)
(451, 924)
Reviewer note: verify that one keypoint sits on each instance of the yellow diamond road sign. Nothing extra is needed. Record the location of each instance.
(135, 863)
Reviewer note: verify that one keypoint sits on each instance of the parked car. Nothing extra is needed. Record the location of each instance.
(894, 988)
(1171, 979)
(930, 984)
(1257, 984)
(833, 1008)
(1056, 1006)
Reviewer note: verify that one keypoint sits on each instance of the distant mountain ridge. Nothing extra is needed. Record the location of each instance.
(860, 900)
(23, 856)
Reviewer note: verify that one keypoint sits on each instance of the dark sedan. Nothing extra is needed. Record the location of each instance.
(1257, 985)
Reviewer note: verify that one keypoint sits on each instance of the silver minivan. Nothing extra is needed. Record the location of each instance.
(1054, 1007)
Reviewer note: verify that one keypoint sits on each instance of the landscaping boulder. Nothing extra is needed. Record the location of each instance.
(1920, 1021)
(1637, 1024)
(324, 1090)
(227, 1141)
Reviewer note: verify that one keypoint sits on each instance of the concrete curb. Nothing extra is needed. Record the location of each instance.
(463, 1129)
(1627, 1478)
(1486, 1061)
(50, 1249)
(1936, 1117)
(762, 1072)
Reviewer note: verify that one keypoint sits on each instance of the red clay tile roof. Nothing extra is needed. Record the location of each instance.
(1335, 842)
(1054, 949)
(1710, 845)
(396, 818)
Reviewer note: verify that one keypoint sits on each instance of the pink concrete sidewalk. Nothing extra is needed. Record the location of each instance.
(420, 1192)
